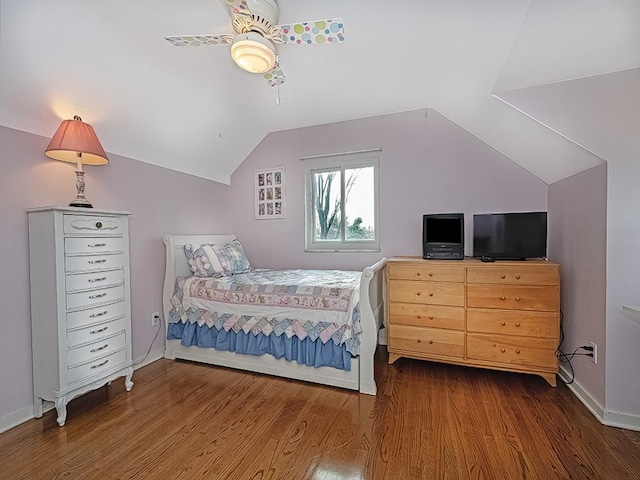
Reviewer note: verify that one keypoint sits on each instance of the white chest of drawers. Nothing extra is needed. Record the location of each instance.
(80, 302)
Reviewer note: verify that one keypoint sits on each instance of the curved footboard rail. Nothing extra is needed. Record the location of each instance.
(371, 318)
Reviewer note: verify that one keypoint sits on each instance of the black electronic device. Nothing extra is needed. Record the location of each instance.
(443, 236)
(510, 236)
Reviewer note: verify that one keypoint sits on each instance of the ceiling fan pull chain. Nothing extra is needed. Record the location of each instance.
(278, 97)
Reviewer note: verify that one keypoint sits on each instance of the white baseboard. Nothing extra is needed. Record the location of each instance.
(606, 417)
(25, 414)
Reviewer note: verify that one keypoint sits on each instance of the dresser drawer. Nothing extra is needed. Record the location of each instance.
(94, 297)
(96, 332)
(85, 318)
(419, 315)
(433, 293)
(93, 245)
(86, 281)
(94, 224)
(426, 341)
(98, 367)
(513, 322)
(525, 275)
(427, 271)
(83, 263)
(92, 351)
(513, 297)
(512, 350)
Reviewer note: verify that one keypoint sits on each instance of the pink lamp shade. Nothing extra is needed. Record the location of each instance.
(76, 142)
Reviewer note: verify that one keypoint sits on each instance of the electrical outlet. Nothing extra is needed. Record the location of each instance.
(155, 319)
(594, 359)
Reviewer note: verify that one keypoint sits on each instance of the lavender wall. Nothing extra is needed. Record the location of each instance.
(578, 241)
(427, 165)
(161, 201)
(623, 274)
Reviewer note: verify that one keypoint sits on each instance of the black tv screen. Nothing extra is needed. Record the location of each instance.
(442, 229)
(510, 236)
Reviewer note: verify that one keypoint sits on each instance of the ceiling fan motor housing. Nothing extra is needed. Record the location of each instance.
(265, 12)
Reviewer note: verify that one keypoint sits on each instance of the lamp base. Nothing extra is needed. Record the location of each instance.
(75, 203)
(80, 200)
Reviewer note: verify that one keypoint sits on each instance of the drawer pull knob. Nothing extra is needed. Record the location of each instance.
(502, 350)
(430, 317)
(518, 352)
(92, 245)
(503, 298)
(98, 224)
(503, 276)
(517, 324)
(517, 299)
(100, 330)
(430, 274)
(503, 323)
(517, 277)
(418, 317)
(430, 342)
(100, 295)
(94, 315)
(100, 364)
(418, 293)
(419, 341)
(94, 350)
(418, 274)
(93, 262)
(431, 294)
(101, 279)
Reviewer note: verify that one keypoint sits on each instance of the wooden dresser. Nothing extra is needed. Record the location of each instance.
(503, 315)
(80, 303)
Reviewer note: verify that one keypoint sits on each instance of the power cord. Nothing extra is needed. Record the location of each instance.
(160, 324)
(566, 358)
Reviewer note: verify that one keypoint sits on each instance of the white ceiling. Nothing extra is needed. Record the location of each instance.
(191, 109)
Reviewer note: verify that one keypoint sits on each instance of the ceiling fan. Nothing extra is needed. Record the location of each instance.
(253, 46)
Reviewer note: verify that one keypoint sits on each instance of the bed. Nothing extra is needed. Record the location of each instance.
(359, 336)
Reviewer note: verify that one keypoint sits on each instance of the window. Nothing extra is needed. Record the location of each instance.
(341, 202)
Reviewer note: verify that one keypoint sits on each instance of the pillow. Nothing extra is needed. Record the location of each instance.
(217, 259)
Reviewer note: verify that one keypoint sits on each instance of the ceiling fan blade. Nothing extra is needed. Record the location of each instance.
(275, 77)
(237, 7)
(317, 32)
(199, 40)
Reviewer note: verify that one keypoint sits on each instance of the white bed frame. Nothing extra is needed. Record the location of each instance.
(371, 317)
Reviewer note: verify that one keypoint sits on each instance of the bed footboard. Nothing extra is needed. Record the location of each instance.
(372, 318)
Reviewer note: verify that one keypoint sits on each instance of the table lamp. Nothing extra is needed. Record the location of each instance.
(76, 142)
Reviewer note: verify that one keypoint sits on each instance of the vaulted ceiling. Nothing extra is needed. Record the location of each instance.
(552, 84)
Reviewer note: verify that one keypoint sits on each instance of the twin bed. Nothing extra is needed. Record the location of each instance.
(319, 326)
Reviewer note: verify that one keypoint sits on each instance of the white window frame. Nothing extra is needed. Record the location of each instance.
(341, 162)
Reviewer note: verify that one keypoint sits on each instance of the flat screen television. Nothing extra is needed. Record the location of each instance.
(443, 236)
(510, 236)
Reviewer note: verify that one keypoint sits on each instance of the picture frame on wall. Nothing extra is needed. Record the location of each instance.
(269, 193)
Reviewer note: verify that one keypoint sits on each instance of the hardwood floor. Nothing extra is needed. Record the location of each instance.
(428, 421)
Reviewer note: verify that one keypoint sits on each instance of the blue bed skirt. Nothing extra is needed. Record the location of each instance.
(305, 352)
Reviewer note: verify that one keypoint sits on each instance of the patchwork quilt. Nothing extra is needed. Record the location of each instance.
(314, 304)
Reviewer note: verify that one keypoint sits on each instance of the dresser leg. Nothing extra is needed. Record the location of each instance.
(61, 408)
(128, 384)
(550, 378)
(393, 357)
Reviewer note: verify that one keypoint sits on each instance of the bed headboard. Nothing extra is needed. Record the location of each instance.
(177, 263)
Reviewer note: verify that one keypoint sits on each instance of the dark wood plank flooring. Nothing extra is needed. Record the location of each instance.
(429, 421)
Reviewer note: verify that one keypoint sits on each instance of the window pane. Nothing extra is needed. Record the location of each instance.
(326, 202)
(359, 203)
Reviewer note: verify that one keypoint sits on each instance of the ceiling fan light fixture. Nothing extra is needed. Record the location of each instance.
(253, 53)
